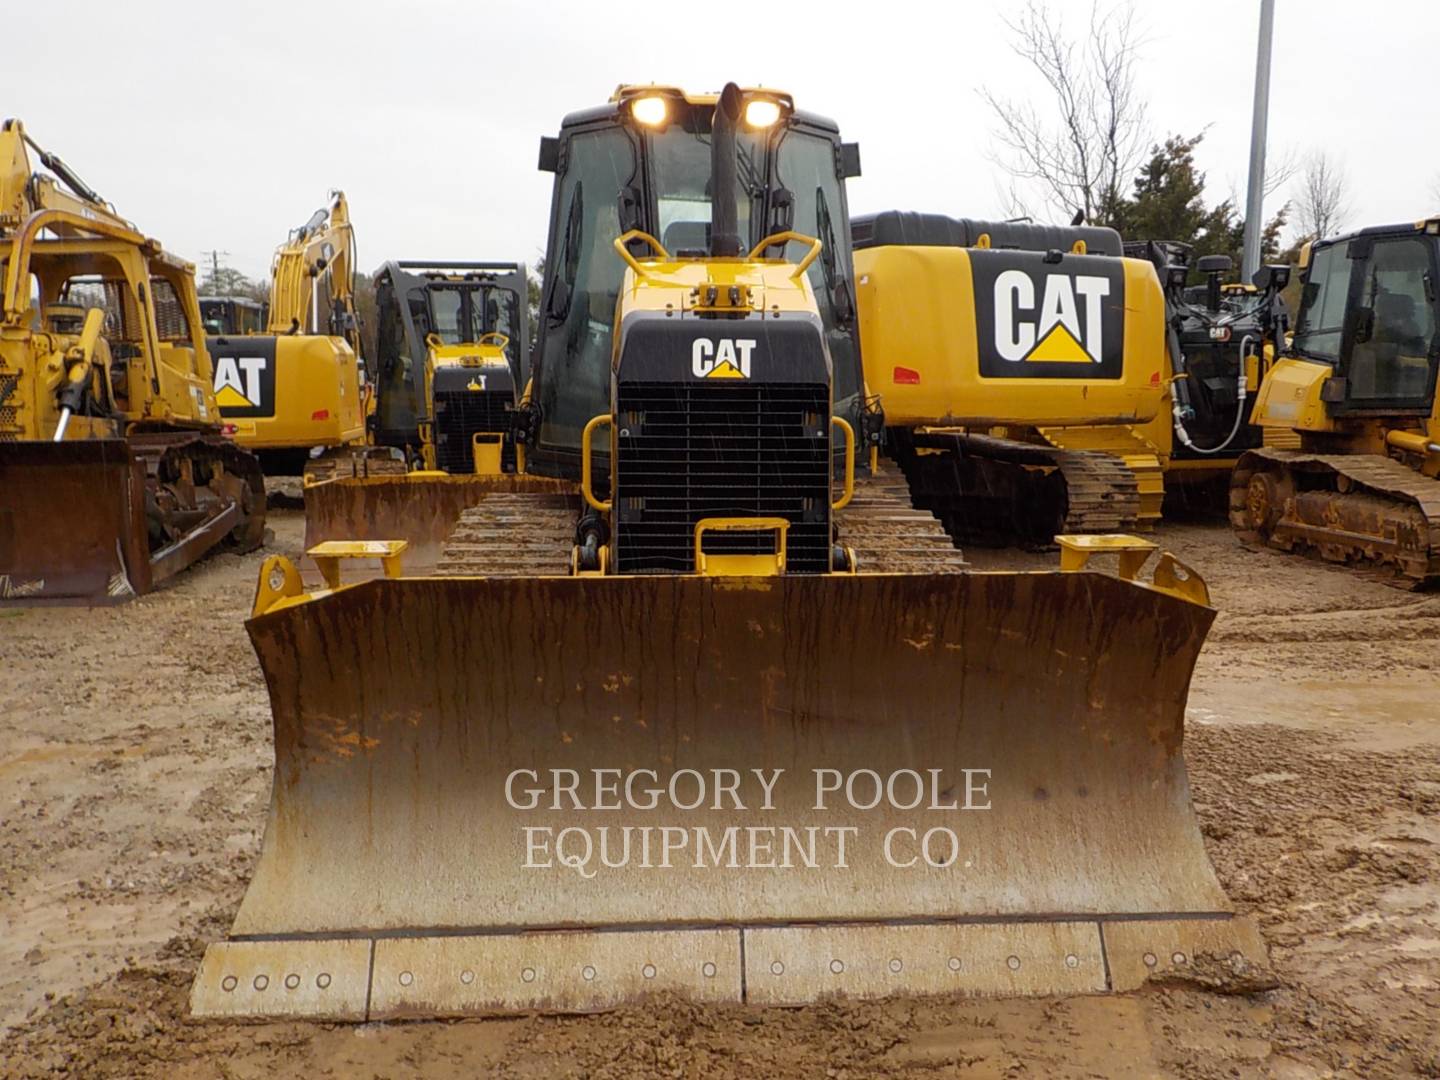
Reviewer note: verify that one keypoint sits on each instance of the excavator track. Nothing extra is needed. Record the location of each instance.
(1363, 509)
(1000, 492)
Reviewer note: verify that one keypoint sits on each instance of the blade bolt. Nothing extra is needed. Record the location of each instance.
(837, 966)
(895, 965)
(528, 975)
(777, 968)
(589, 973)
(1177, 958)
(406, 978)
(1150, 959)
(1071, 960)
(467, 976)
(954, 963)
(229, 983)
(648, 971)
(323, 980)
(708, 970)
(261, 982)
(292, 981)
(1013, 963)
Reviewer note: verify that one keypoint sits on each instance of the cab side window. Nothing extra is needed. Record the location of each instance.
(1319, 326)
(1395, 325)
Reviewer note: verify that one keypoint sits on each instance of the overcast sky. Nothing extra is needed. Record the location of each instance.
(214, 131)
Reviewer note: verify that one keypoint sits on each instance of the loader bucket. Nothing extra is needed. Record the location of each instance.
(419, 508)
(397, 876)
(72, 522)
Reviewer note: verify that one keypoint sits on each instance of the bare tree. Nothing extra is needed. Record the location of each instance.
(1083, 159)
(1321, 198)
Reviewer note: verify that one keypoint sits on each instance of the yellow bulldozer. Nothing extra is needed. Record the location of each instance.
(451, 358)
(1042, 380)
(720, 713)
(452, 343)
(1358, 385)
(297, 393)
(114, 474)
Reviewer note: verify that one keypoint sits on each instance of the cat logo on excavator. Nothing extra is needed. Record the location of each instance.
(1054, 320)
(245, 385)
(728, 358)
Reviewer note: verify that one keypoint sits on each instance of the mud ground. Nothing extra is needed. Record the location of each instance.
(134, 774)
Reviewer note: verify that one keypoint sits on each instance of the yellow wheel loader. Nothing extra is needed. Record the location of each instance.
(1358, 385)
(299, 387)
(114, 474)
(716, 716)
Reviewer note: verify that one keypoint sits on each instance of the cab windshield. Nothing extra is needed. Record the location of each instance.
(680, 178)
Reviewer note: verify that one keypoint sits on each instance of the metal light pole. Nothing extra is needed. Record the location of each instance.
(1255, 200)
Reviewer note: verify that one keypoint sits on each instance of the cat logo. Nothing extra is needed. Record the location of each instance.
(238, 382)
(477, 382)
(1065, 328)
(728, 358)
(244, 376)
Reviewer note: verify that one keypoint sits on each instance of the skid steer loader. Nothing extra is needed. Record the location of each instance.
(1358, 386)
(721, 715)
(114, 474)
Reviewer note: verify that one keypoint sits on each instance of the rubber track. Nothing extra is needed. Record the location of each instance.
(1370, 474)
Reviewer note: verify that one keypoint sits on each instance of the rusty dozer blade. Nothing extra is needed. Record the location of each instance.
(498, 795)
(419, 508)
(72, 522)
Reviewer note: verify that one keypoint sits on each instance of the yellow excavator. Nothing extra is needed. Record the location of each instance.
(1358, 385)
(1042, 380)
(296, 393)
(995, 346)
(721, 714)
(114, 474)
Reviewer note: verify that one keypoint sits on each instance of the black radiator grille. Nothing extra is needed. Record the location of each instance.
(459, 414)
(696, 450)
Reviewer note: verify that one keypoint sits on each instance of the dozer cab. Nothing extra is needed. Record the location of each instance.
(709, 717)
(1358, 386)
(114, 474)
(297, 393)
